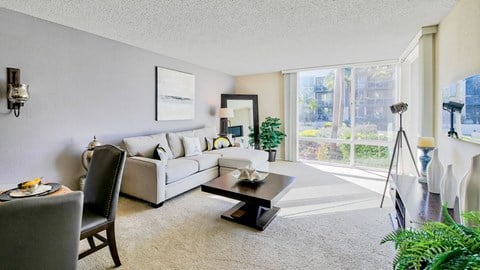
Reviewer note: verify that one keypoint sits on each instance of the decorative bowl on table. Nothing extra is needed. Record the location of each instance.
(30, 186)
(249, 175)
(29, 189)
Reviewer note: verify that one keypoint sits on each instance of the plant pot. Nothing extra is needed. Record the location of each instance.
(271, 155)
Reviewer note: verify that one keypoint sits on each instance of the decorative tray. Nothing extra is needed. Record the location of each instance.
(251, 176)
(42, 190)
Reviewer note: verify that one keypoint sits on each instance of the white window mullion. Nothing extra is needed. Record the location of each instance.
(291, 116)
(352, 117)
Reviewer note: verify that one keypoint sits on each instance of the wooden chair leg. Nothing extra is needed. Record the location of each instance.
(112, 245)
(91, 242)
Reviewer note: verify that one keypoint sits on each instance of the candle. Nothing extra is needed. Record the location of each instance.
(426, 142)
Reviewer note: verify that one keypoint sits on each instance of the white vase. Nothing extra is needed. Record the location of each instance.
(434, 173)
(449, 187)
(469, 188)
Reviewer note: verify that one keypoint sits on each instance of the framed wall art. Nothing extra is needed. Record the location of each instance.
(465, 95)
(175, 95)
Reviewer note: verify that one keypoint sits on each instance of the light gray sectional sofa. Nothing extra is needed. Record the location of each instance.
(155, 181)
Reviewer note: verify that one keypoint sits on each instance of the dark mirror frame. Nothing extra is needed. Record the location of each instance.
(254, 99)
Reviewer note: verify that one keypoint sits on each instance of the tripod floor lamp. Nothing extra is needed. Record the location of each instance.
(399, 108)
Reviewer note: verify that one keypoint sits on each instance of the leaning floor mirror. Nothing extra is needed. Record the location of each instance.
(245, 118)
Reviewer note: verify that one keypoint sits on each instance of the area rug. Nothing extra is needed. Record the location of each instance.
(325, 222)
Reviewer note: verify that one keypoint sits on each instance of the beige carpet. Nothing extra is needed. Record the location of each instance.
(325, 222)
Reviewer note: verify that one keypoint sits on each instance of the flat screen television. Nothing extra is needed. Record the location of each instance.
(236, 131)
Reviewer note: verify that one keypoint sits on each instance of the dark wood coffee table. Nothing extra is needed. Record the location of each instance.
(257, 199)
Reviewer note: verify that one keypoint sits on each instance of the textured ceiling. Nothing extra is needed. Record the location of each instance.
(250, 36)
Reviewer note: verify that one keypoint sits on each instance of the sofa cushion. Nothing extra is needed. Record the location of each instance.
(180, 168)
(192, 146)
(175, 141)
(236, 157)
(203, 133)
(207, 161)
(145, 145)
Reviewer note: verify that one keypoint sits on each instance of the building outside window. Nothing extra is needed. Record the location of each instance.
(344, 115)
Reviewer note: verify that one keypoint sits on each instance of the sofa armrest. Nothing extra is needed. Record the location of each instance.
(144, 178)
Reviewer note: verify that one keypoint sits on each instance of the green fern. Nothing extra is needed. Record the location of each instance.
(438, 245)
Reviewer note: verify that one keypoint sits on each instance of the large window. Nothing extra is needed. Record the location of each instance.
(344, 115)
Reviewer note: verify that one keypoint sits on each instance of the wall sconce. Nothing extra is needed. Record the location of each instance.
(17, 93)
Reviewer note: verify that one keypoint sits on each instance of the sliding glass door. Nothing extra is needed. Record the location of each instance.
(344, 115)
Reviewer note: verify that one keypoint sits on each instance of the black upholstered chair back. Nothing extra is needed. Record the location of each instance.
(102, 186)
(41, 233)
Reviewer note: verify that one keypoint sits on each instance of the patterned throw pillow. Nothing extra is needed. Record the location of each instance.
(221, 142)
(192, 146)
(160, 154)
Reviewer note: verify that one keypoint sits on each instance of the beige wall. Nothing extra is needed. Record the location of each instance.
(269, 88)
(458, 56)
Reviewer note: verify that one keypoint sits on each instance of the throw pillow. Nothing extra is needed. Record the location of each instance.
(202, 133)
(160, 154)
(209, 143)
(192, 146)
(221, 142)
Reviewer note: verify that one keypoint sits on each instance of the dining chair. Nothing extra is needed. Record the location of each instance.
(102, 188)
(41, 232)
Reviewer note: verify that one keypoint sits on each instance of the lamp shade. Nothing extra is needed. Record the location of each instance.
(225, 113)
(18, 93)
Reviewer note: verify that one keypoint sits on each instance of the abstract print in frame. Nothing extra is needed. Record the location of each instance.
(467, 122)
(175, 92)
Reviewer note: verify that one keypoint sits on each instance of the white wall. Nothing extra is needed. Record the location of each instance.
(458, 56)
(410, 93)
(418, 89)
(82, 85)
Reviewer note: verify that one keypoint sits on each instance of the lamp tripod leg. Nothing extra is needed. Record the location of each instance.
(399, 150)
(411, 154)
(390, 167)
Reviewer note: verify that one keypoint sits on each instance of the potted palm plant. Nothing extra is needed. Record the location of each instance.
(271, 136)
(438, 245)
